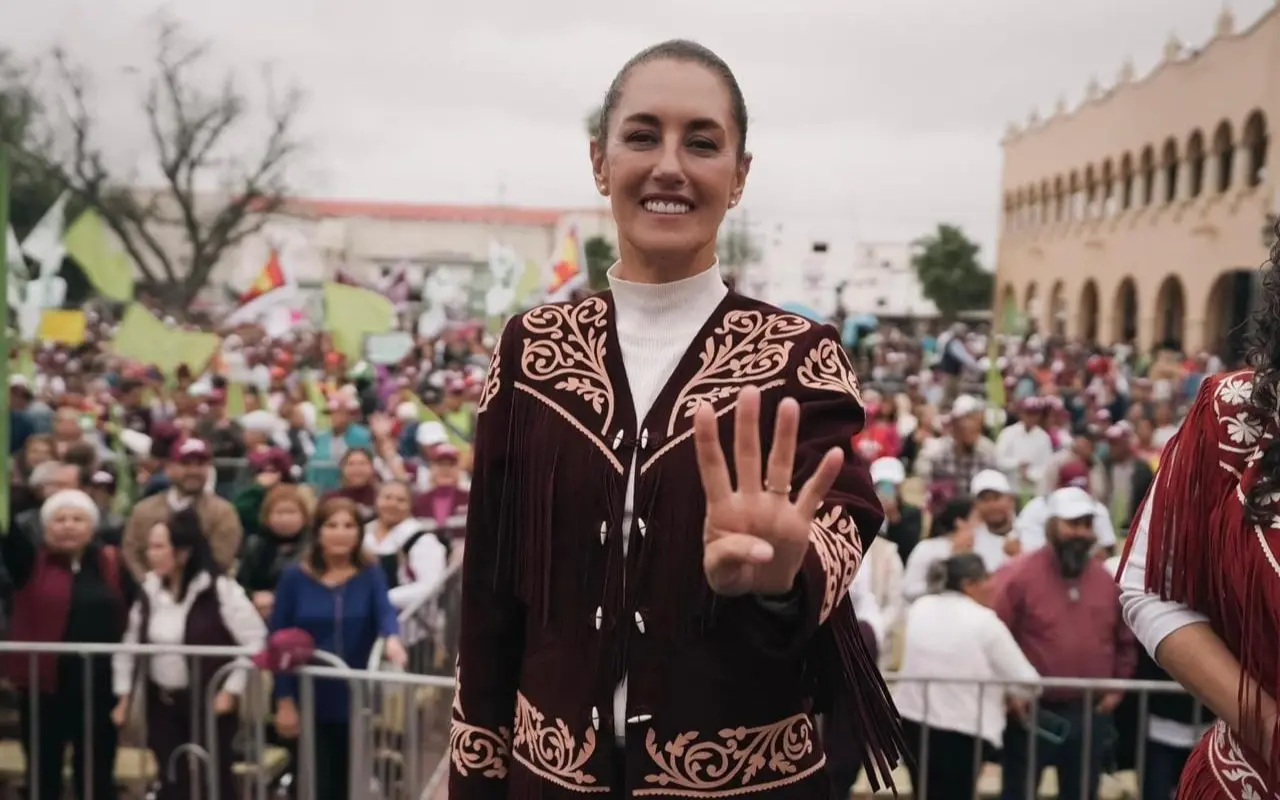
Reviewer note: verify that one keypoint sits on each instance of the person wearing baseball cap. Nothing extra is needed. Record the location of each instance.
(190, 472)
(1029, 528)
(994, 508)
(903, 522)
(1024, 449)
(1061, 605)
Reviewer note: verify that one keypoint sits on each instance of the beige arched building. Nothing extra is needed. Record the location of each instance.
(1140, 215)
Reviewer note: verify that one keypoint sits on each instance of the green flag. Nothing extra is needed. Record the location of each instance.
(104, 262)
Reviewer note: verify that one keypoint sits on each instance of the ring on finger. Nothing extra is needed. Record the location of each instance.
(769, 486)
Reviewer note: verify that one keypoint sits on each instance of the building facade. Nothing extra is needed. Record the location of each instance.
(1142, 215)
(319, 237)
(883, 282)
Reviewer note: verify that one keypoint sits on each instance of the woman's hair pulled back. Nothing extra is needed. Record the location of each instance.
(948, 519)
(952, 574)
(1264, 357)
(677, 50)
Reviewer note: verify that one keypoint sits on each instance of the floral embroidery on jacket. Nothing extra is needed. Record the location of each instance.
(476, 749)
(551, 751)
(568, 344)
(748, 347)
(491, 382)
(1232, 768)
(744, 760)
(827, 367)
(835, 539)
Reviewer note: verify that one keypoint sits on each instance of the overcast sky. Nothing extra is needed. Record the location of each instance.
(874, 118)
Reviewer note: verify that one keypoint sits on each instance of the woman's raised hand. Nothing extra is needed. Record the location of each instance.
(755, 535)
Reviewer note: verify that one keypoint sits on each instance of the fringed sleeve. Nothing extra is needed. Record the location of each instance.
(492, 629)
(847, 684)
(1199, 468)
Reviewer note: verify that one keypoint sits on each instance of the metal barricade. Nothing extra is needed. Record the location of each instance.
(163, 736)
(397, 726)
(1046, 748)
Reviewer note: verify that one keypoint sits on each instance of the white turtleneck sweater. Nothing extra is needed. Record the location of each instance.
(657, 323)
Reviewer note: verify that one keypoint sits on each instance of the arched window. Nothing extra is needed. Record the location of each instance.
(1075, 208)
(1195, 164)
(1147, 166)
(1046, 204)
(1169, 162)
(1059, 201)
(1091, 205)
(1108, 189)
(1256, 142)
(1126, 182)
(1224, 155)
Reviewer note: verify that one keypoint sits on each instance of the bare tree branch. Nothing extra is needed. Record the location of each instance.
(197, 139)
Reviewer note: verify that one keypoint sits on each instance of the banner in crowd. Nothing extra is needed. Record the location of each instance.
(143, 338)
(351, 313)
(100, 256)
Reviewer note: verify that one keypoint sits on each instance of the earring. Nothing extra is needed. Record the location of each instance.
(604, 190)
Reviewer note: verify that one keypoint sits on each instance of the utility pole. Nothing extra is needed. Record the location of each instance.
(4, 338)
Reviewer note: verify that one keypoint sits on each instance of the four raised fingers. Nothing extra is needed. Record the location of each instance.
(711, 464)
(746, 440)
(815, 489)
(782, 455)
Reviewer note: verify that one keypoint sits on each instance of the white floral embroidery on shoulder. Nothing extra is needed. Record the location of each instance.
(1235, 391)
(1243, 429)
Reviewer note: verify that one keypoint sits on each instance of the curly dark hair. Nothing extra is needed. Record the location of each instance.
(1264, 358)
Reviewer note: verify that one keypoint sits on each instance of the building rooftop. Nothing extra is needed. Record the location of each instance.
(432, 212)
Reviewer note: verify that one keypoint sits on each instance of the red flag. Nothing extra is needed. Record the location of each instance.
(271, 277)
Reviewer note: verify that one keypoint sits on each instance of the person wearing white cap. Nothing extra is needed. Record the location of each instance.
(1024, 449)
(1029, 528)
(994, 506)
(903, 522)
(948, 468)
(1062, 607)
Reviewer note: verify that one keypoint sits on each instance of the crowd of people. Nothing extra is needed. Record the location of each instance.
(186, 509)
(335, 494)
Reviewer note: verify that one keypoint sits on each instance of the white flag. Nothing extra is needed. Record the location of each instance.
(13, 255)
(44, 243)
(505, 268)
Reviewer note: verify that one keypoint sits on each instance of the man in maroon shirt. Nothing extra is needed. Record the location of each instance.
(1063, 609)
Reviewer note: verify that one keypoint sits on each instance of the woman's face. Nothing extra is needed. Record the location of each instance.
(339, 535)
(68, 530)
(286, 519)
(357, 470)
(393, 504)
(670, 165)
(38, 452)
(162, 559)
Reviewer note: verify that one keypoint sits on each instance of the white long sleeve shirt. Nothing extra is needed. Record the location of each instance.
(657, 323)
(949, 634)
(1017, 447)
(168, 626)
(1151, 618)
(425, 563)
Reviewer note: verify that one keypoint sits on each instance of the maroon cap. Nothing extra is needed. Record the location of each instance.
(190, 449)
(272, 459)
(286, 650)
(1073, 473)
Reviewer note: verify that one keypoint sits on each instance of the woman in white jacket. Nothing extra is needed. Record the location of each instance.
(413, 557)
(952, 633)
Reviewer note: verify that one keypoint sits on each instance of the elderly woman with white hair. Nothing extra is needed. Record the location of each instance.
(68, 589)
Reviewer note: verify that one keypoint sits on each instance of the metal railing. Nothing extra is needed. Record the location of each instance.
(397, 732)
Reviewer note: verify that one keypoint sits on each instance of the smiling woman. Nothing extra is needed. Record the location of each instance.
(666, 515)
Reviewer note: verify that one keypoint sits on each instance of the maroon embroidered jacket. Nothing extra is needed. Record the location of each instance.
(721, 692)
